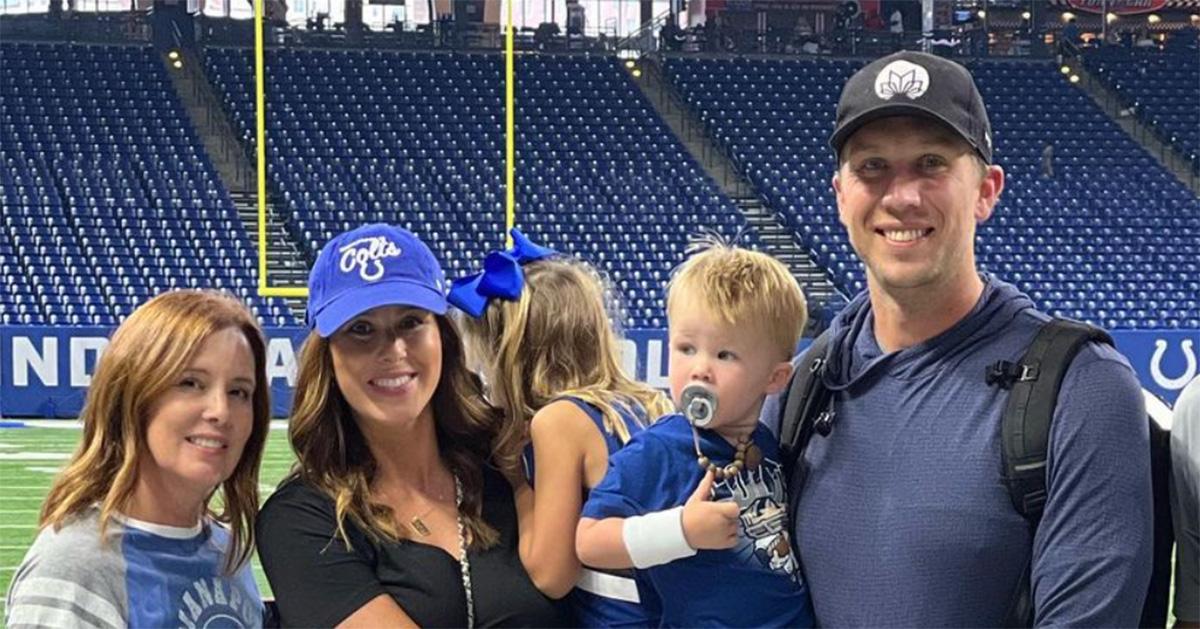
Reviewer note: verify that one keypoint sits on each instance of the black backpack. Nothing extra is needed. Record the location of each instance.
(1033, 385)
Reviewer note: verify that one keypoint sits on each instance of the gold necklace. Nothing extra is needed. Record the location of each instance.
(418, 525)
(464, 561)
(417, 522)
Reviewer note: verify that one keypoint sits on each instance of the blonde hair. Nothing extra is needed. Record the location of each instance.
(745, 289)
(146, 357)
(333, 456)
(555, 341)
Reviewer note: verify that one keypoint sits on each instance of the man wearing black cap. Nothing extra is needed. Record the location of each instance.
(903, 518)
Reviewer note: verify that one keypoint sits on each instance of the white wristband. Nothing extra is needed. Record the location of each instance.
(656, 538)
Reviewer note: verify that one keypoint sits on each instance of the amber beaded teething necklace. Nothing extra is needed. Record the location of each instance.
(744, 450)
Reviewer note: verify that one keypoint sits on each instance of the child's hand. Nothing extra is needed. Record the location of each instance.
(709, 525)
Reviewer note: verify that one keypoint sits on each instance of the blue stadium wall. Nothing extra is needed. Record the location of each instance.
(45, 370)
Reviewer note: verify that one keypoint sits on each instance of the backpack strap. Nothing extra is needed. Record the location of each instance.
(1025, 427)
(1034, 383)
(806, 398)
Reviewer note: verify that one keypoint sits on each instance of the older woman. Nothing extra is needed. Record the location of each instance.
(393, 515)
(178, 409)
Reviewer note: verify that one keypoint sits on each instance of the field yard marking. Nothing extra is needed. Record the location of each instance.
(55, 423)
(32, 479)
(35, 456)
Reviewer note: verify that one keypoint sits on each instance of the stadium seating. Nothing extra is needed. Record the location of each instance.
(418, 139)
(1112, 239)
(1160, 87)
(108, 197)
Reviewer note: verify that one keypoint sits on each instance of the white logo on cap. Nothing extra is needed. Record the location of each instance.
(367, 254)
(901, 77)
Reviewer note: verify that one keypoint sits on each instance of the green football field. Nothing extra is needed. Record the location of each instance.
(29, 459)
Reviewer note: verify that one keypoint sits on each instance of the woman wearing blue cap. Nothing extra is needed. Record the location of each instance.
(393, 515)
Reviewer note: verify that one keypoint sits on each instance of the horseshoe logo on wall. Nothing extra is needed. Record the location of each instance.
(1189, 355)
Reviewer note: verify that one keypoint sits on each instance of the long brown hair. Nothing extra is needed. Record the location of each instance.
(556, 340)
(333, 456)
(145, 358)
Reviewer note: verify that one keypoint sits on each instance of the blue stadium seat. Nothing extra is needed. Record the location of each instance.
(1159, 87)
(108, 196)
(1112, 219)
(417, 140)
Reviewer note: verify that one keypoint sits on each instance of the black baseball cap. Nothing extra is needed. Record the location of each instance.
(911, 83)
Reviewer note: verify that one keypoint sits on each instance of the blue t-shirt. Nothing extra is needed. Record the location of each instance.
(755, 584)
(138, 575)
(605, 598)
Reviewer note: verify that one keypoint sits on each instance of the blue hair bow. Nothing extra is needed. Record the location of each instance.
(502, 276)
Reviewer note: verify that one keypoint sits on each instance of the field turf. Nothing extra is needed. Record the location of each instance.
(30, 457)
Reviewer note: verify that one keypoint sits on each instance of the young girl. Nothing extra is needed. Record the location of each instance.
(538, 328)
(178, 408)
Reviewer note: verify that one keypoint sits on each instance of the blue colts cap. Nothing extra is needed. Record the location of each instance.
(368, 267)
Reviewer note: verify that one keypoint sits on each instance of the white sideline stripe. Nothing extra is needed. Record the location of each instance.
(608, 585)
(65, 591)
(53, 423)
(18, 511)
(34, 456)
(45, 470)
(8, 445)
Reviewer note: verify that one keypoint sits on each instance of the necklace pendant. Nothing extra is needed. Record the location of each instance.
(418, 525)
(754, 457)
